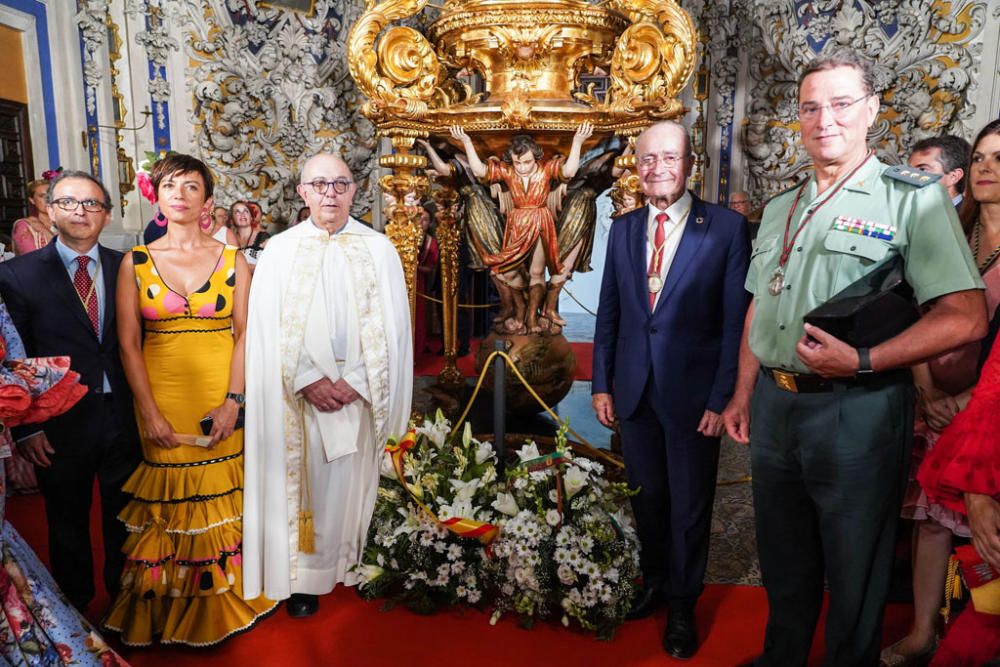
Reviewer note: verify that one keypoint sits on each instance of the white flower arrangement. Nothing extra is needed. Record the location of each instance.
(566, 548)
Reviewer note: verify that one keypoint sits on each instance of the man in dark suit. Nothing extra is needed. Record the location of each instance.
(665, 356)
(62, 301)
(947, 155)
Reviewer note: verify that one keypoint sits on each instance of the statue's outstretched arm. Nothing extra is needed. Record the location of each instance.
(573, 161)
(475, 164)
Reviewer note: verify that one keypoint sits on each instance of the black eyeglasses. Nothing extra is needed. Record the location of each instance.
(89, 205)
(340, 185)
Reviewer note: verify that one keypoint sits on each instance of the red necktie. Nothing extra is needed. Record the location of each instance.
(84, 285)
(656, 259)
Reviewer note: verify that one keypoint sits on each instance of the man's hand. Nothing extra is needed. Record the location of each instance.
(711, 424)
(36, 449)
(826, 355)
(736, 418)
(984, 522)
(583, 133)
(604, 408)
(328, 396)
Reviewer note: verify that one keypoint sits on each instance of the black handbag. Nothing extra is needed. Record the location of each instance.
(871, 310)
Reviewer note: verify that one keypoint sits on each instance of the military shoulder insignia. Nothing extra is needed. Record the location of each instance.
(910, 175)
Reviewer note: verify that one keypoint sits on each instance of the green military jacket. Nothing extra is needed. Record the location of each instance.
(880, 211)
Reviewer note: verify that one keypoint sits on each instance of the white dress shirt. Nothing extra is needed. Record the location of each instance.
(673, 229)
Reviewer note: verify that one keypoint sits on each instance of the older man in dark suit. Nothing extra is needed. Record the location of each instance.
(62, 301)
(666, 346)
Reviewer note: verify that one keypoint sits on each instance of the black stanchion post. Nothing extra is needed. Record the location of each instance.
(499, 404)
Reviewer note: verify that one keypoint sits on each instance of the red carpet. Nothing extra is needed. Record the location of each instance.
(430, 364)
(349, 631)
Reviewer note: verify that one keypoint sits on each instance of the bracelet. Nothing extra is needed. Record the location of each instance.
(240, 399)
(864, 361)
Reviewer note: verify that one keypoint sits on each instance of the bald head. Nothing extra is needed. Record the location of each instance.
(327, 188)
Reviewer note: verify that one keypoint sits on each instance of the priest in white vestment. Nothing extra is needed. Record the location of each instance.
(329, 379)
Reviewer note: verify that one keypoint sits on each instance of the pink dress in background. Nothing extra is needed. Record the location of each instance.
(27, 238)
(953, 373)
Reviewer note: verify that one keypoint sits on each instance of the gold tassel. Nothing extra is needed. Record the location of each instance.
(307, 532)
(952, 588)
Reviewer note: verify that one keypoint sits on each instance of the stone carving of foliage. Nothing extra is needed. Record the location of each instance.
(93, 31)
(158, 44)
(926, 58)
(271, 88)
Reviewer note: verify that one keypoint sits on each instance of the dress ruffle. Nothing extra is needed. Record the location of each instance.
(183, 580)
(966, 458)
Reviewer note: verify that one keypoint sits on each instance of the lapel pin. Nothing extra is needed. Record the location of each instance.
(699, 220)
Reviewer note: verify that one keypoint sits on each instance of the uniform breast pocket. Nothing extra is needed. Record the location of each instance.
(863, 247)
(762, 258)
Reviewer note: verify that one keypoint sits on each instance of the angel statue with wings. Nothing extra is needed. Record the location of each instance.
(535, 227)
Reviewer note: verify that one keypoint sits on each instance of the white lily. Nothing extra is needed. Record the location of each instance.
(574, 480)
(506, 504)
(528, 452)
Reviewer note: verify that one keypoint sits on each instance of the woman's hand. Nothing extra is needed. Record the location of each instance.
(223, 421)
(157, 430)
(938, 412)
(984, 523)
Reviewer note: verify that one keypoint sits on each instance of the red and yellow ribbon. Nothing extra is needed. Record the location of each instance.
(484, 532)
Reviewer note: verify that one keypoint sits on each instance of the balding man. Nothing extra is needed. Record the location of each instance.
(666, 345)
(329, 380)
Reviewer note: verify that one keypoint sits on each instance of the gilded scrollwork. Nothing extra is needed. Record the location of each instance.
(402, 75)
(653, 60)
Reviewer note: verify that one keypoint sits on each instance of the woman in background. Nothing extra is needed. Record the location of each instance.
(35, 231)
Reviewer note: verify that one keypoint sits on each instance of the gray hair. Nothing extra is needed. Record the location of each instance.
(670, 123)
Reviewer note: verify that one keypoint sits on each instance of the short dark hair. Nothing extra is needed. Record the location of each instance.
(842, 57)
(955, 153)
(521, 144)
(179, 163)
(72, 173)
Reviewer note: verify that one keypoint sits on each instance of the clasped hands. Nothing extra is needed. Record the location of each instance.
(328, 396)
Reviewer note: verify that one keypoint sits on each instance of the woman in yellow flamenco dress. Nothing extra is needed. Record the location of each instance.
(182, 305)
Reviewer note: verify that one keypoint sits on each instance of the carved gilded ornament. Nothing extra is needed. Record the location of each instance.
(529, 56)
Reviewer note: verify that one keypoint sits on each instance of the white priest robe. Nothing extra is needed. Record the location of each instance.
(320, 305)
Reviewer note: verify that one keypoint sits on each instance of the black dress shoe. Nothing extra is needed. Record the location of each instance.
(645, 602)
(301, 605)
(680, 640)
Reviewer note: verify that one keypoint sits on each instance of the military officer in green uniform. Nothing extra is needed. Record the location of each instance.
(830, 424)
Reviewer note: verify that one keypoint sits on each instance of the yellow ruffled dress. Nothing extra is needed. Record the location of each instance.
(183, 579)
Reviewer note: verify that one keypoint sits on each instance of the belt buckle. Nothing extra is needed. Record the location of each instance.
(785, 380)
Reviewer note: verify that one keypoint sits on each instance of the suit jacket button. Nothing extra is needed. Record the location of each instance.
(653, 330)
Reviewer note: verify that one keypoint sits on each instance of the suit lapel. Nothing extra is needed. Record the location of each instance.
(60, 283)
(694, 234)
(109, 273)
(637, 249)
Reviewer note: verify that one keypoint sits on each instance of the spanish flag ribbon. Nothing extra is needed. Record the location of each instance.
(484, 532)
(543, 462)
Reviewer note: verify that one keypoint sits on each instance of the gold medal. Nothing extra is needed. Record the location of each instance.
(777, 282)
(655, 283)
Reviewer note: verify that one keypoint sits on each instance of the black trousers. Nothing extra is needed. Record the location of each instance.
(98, 447)
(829, 471)
(675, 469)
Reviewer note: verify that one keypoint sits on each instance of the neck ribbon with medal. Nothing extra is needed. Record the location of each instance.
(653, 280)
(777, 281)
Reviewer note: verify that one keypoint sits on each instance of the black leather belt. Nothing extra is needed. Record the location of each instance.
(807, 383)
